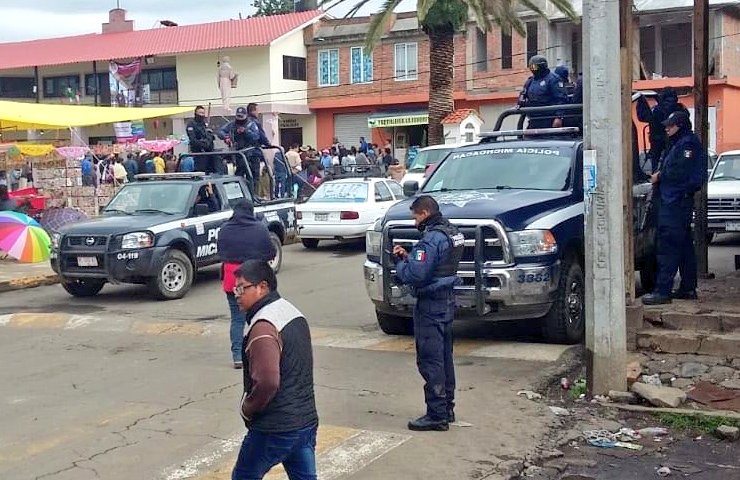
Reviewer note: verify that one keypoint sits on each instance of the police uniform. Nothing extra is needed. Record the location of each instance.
(430, 270)
(655, 116)
(201, 141)
(682, 173)
(543, 88)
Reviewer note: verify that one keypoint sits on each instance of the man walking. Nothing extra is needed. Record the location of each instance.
(430, 270)
(682, 173)
(278, 405)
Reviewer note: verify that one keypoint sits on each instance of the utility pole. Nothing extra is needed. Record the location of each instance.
(701, 126)
(626, 47)
(605, 312)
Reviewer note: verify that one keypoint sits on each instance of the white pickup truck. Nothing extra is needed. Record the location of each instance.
(723, 204)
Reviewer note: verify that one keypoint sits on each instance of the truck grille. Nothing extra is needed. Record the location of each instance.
(69, 264)
(726, 204)
(88, 241)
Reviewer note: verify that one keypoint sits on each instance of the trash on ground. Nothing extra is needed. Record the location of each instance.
(653, 431)
(652, 379)
(559, 411)
(663, 471)
(628, 434)
(530, 394)
(628, 445)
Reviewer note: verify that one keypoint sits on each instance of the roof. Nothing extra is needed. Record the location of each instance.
(250, 32)
(458, 116)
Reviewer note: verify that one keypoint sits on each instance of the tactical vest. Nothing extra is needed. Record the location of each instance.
(448, 267)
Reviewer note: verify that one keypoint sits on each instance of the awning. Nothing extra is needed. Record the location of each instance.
(27, 116)
(397, 119)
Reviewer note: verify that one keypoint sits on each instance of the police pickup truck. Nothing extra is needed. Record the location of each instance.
(518, 198)
(159, 231)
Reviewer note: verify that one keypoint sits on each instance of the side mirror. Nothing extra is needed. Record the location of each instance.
(200, 209)
(410, 188)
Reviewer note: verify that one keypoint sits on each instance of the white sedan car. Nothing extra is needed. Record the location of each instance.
(344, 209)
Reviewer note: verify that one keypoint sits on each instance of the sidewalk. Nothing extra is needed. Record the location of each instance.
(15, 276)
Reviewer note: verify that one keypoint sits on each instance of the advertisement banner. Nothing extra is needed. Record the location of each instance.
(129, 132)
(125, 84)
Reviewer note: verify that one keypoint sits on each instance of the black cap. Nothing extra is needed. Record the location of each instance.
(241, 113)
(679, 119)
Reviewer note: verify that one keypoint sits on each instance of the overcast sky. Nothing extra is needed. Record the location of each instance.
(27, 20)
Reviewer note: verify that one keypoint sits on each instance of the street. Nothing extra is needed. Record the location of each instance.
(120, 386)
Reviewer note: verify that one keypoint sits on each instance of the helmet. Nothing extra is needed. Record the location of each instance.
(539, 61)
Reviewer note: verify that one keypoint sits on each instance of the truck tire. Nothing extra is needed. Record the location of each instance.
(276, 262)
(648, 274)
(394, 325)
(83, 287)
(565, 322)
(310, 243)
(175, 276)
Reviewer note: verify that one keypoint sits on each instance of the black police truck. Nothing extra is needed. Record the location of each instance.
(159, 231)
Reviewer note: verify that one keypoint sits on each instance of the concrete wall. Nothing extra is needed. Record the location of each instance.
(284, 91)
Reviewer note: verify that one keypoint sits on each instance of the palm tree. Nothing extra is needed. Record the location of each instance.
(440, 20)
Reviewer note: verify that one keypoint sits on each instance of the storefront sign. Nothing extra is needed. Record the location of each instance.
(398, 121)
(289, 123)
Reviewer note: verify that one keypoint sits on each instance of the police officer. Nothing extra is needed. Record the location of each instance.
(543, 88)
(430, 270)
(654, 117)
(201, 141)
(681, 174)
(235, 135)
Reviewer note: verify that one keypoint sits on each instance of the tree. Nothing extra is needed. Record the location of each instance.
(273, 7)
(440, 20)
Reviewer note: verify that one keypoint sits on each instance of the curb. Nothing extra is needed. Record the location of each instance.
(28, 282)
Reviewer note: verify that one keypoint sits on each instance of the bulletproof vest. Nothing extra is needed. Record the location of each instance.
(448, 267)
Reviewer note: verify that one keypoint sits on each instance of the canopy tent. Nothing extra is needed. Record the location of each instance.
(42, 116)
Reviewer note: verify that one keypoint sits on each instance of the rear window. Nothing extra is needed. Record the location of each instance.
(350, 192)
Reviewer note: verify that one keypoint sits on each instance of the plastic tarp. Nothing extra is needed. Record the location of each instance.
(27, 116)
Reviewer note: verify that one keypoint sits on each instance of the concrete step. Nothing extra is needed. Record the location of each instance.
(690, 341)
(719, 322)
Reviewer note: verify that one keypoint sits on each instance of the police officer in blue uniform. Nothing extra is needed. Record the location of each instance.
(681, 174)
(430, 270)
(543, 88)
(655, 116)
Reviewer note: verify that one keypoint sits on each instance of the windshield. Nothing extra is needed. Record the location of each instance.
(144, 197)
(350, 192)
(728, 168)
(428, 157)
(504, 168)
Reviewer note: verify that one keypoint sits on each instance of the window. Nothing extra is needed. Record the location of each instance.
(92, 86)
(160, 79)
(234, 193)
(328, 67)
(59, 86)
(362, 66)
(17, 87)
(382, 194)
(396, 189)
(469, 132)
(406, 61)
(294, 68)
(506, 49)
(481, 50)
(532, 40)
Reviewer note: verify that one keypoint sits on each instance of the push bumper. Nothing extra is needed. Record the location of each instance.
(116, 267)
(510, 293)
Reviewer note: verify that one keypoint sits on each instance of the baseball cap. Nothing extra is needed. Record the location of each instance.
(680, 119)
(241, 113)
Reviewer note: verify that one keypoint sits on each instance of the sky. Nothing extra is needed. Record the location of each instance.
(28, 20)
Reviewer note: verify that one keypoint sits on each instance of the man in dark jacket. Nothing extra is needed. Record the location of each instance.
(654, 117)
(132, 168)
(201, 141)
(543, 88)
(430, 269)
(278, 405)
(243, 237)
(236, 136)
(682, 173)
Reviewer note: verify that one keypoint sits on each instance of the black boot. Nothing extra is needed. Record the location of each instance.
(450, 416)
(684, 295)
(656, 299)
(427, 423)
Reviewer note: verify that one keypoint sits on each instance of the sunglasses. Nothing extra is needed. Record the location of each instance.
(240, 289)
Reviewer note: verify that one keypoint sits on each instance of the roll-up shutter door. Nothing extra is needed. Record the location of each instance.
(349, 127)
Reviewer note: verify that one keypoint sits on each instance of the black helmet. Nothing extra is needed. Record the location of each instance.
(538, 60)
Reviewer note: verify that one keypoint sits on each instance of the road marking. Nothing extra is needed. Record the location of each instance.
(169, 328)
(5, 319)
(77, 321)
(340, 451)
(39, 320)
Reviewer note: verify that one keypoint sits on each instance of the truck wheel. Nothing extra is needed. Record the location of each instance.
(310, 243)
(394, 325)
(276, 262)
(648, 274)
(83, 287)
(174, 278)
(565, 322)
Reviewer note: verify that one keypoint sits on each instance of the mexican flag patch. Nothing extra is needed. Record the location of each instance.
(420, 256)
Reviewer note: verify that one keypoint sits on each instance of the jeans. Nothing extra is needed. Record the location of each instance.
(237, 327)
(261, 451)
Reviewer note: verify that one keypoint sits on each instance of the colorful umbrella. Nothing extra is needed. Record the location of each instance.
(23, 238)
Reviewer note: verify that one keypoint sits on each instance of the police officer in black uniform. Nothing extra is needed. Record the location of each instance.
(681, 174)
(543, 88)
(430, 269)
(201, 141)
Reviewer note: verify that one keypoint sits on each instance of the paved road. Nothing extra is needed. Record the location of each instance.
(121, 386)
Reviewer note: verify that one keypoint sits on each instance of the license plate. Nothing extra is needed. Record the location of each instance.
(733, 226)
(87, 261)
(321, 217)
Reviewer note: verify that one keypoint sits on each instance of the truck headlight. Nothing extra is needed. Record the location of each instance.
(56, 240)
(137, 240)
(374, 240)
(532, 243)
